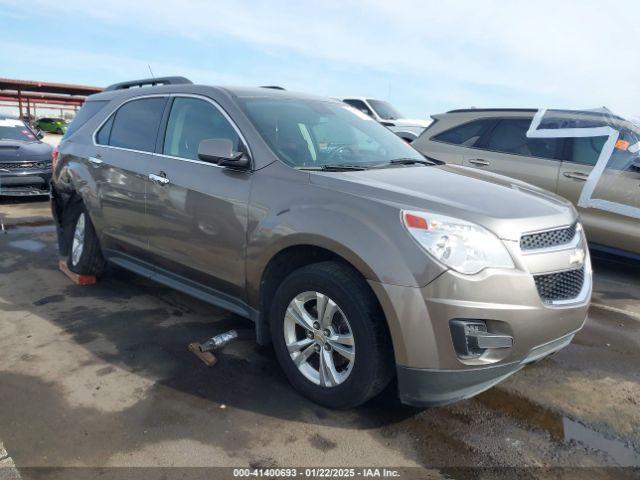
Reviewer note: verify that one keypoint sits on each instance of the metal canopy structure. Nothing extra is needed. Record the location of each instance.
(28, 94)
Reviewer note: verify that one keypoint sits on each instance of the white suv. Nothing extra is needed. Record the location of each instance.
(406, 128)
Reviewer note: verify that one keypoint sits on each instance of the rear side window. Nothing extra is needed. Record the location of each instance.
(87, 112)
(510, 136)
(135, 124)
(586, 150)
(191, 121)
(465, 135)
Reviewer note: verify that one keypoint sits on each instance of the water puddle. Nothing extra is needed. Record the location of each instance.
(618, 451)
(28, 245)
(561, 428)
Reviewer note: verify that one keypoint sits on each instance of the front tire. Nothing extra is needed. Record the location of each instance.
(85, 256)
(330, 335)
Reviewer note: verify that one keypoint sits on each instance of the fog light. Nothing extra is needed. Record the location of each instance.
(471, 338)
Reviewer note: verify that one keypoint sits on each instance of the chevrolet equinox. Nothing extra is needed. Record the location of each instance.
(359, 259)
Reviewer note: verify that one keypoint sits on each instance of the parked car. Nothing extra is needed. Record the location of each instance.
(25, 161)
(52, 125)
(406, 128)
(356, 257)
(495, 140)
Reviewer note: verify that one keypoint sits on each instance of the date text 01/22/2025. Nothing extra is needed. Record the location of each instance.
(316, 472)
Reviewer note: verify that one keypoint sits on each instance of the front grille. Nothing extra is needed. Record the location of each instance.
(25, 165)
(550, 238)
(553, 287)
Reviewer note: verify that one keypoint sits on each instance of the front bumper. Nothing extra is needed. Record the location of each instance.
(27, 183)
(431, 372)
(428, 388)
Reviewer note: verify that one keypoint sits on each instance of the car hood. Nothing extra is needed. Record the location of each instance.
(18, 150)
(505, 206)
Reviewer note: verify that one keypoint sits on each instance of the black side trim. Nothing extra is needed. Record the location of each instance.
(184, 285)
(597, 247)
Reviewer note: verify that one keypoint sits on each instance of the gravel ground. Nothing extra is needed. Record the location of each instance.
(100, 376)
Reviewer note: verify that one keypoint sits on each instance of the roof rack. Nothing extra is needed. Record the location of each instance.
(149, 82)
(594, 113)
(462, 110)
(273, 87)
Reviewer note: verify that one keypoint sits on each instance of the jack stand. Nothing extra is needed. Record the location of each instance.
(75, 277)
(203, 350)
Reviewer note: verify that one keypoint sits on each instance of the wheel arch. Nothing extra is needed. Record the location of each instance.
(290, 258)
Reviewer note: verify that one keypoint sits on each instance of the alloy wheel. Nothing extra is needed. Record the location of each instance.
(78, 240)
(319, 339)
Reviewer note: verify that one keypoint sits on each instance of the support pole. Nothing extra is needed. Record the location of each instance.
(20, 103)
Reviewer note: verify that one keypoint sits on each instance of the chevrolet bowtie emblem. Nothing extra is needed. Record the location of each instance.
(577, 257)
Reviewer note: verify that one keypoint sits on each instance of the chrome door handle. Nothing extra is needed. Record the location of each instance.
(479, 162)
(95, 161)
(576, 176)
(159, 179)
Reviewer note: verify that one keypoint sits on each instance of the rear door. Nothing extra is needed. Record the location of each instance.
(124, 146)
(198, 213)
(506, 149)
(617, 224)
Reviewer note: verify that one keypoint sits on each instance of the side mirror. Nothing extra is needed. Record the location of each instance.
(39, 134)
(220, 151)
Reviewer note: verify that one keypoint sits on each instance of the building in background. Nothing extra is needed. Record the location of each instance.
(30, 100)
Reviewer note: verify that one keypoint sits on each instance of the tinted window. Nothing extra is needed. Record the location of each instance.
(105, 132)
(88, 110)
(136, 123)
(191, 121)
(510, 136)
(466, 135)
(586, 150)
(385, 109)
(360, 105)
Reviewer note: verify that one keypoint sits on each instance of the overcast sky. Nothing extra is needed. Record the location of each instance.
(424, 56)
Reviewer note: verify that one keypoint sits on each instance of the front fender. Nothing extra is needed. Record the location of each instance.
(366, 234)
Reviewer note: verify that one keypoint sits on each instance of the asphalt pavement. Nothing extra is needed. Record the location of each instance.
(100, 376)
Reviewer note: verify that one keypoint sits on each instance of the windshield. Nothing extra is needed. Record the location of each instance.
(15, 130)
(385, 109)
(313, 133)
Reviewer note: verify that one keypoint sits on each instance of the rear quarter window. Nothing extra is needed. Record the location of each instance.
(86, 113)
(465, 135)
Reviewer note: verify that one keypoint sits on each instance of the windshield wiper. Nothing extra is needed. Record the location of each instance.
(334, 167)
(407, 161)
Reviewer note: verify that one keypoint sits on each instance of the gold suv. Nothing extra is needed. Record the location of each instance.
(496, 140)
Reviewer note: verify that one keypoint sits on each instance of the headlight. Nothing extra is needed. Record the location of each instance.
(463, 246)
